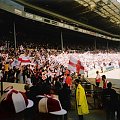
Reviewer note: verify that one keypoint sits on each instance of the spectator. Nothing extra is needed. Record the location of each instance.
(105, 82)
(97, 79)
(81, 101)
(64, 96)
(110, 101)
(68, 80)
(6, 67)
(58, 85)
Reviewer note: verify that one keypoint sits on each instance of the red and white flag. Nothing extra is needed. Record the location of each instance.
(75, 65)
(24, 59)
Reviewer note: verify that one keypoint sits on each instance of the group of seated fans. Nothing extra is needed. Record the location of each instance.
(48, 82)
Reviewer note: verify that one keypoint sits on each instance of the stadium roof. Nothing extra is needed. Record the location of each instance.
(102, 14)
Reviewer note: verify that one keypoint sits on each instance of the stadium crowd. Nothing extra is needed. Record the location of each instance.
(51, 62)
(44, 70)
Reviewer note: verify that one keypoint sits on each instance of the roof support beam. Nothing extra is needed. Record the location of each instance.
(65, 18)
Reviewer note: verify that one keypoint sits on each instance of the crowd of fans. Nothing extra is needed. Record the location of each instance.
(50, 63)
(44, 70)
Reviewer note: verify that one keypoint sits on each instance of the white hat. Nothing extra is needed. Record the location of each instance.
(50, 105)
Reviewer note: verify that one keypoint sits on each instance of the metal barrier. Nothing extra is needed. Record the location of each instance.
(94, 92)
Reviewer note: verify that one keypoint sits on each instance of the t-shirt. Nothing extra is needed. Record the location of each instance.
(105, 84)
(69, 80)
(98, 78)
(6, 67)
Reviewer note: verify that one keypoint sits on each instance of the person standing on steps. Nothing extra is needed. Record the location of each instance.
(98, 79)
(105, 81)
(110, 101)
(81, 101)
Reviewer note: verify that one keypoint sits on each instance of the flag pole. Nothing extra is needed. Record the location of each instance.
(14, 36)
(61, 41)
(107, 45)
(95, 45)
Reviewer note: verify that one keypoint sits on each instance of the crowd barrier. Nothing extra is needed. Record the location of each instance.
(109, 68)
(16, 86)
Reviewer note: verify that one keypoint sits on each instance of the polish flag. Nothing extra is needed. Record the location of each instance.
(75, 65)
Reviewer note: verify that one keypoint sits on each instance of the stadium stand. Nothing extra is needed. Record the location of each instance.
(37, 41)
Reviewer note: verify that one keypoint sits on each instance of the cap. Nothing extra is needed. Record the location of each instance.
(15, 101)
(51, 105)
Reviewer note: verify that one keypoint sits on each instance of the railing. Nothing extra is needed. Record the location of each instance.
(93, 94)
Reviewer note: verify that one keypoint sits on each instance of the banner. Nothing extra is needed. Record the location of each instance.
(75, 65)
